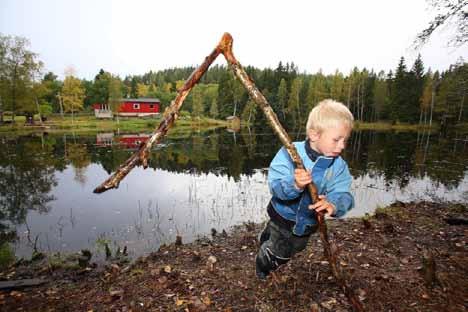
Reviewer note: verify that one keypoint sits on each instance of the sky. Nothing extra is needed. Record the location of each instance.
(134, 37)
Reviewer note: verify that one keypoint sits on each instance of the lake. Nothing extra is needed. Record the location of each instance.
(196, 182)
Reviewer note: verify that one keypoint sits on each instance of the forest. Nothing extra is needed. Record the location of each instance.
(411, 93)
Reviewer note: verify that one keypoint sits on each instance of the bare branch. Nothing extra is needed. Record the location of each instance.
(450, 12)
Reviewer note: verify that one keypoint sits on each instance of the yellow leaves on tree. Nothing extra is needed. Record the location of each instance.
(73, 94)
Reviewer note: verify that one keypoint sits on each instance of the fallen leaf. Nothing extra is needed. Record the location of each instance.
(116, 292)
(212, 259)
(206, 300)
(179, 302)
(16, 294)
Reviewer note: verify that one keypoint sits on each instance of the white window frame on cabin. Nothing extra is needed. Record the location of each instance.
(136, 105)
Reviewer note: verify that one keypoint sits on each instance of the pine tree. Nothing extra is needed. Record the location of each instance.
(399, 95)
(225, 95)
(293, 107)
(282, 100)
(337, 86)
(415, 89)
(426, 98)
(115, 95)
(197, 101)
(380, 96)
(214, 108)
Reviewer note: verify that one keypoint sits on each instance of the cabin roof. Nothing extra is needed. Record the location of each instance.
(145, 100)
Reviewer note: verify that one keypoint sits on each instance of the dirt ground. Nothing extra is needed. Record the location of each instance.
(387, 259)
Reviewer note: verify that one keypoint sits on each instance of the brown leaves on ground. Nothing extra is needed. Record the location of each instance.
(383, 258)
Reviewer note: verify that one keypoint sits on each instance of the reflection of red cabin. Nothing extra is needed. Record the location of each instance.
(129, 108)
(104, 139)
(133, 140)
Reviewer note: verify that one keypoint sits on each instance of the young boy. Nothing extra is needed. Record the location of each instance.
(292, 215)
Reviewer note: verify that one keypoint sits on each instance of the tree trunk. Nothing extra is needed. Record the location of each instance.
(420, 115)
(460, 113)
(38, 112)
(1, 111)
(357, 102)
(13, 98)
(60, 104)
(349, 94)
(432, 106)
(362, 103)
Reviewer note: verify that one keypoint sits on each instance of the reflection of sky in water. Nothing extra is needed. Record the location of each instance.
(152, 206)
(149, 208)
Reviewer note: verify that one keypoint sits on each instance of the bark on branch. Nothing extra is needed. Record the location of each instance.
(330, 248)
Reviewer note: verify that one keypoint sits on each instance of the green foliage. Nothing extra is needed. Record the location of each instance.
(197, 101)
(51, 87)
(7, 255)
(19, 68)
(99, 91)
(45, 109)
(293, 106)
(115, 93)
(282, 99)
(249, 113)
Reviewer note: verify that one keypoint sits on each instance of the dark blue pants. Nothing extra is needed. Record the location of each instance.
(278, 245)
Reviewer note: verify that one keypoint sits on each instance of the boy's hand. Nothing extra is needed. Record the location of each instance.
(302, 177)
(322, 205)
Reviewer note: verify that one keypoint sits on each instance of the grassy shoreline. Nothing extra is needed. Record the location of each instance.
(91, 124)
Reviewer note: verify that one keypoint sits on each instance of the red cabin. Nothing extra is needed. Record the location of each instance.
(141, 107)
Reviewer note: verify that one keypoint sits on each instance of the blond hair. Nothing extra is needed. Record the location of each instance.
(328, 114)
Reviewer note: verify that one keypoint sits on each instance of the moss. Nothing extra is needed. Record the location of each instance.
(393, 211)
(458, 208)
(7, 256)
(56, 261)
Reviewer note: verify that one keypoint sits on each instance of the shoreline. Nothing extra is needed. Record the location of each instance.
(383, 256)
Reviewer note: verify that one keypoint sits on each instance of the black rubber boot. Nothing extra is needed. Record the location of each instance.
(260, 269)
(264, 235)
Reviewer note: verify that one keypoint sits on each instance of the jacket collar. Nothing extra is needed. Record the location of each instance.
(314, 155)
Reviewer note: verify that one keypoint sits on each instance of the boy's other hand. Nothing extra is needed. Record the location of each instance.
(302, 177)
(323, 205)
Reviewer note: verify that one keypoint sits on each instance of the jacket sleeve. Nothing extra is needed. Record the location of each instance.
(338, 191)
(281, 177)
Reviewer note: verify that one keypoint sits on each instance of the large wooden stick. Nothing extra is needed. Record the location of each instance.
(329, 248)
(171, 114)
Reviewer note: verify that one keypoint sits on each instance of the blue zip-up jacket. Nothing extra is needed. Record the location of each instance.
(330, 175)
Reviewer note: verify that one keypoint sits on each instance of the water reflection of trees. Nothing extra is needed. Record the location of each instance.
(26, 177)
(78, 156)
(396, 156)
(400, 156)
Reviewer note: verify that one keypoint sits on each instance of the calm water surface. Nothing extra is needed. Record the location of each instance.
(195, 182)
